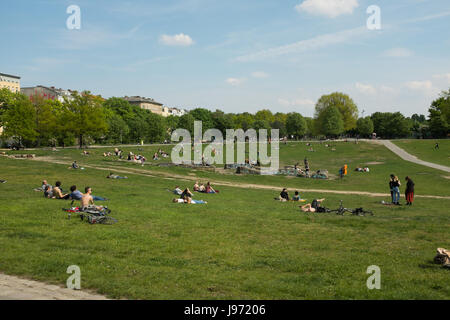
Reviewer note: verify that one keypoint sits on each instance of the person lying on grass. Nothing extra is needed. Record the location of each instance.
(115, 176)
(312, 207)
(3, 181)
(186, 193)
(77, 195)
(189, 200)
(177, 191)
(87, 201)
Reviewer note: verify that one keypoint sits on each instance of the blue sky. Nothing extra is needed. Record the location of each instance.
(235, 55)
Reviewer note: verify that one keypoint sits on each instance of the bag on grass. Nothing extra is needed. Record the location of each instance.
(443, 257)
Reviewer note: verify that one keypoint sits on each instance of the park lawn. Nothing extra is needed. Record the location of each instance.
(241, 245)
(381, 161)
(425, 150)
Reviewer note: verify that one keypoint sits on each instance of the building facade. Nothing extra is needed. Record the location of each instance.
(10, 82)
(50, 93)
(148, 104)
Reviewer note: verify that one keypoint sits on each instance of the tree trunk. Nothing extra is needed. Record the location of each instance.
(81, 141)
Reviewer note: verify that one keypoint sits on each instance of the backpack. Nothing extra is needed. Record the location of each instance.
(315, 204)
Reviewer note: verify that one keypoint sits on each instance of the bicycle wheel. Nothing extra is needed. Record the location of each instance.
(107, 220)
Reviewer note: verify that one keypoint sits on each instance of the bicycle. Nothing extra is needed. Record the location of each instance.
(355, 212)
(93, 215)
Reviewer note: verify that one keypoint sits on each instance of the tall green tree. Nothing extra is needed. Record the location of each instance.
(296, 125)
(86, 116)
(364, 126)
(439, 115)
(19, 120)
(344, 104)
(330, 121)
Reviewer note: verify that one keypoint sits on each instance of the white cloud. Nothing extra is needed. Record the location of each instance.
(386, 89)
(260, 75)
(365, 88)
(330, 8)
(296, 102)
(305, 45)
(235, 81)
(445, 77)
(425, 87)
(398, 53)
(182, 40)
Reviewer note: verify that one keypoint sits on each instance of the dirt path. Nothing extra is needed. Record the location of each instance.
(409, 157)
(170, 176)
(14, 288)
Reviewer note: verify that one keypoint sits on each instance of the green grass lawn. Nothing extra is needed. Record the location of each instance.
(425, 150)
(241, 245)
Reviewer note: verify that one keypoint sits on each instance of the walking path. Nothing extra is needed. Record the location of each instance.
(409, 157)
(14, 288)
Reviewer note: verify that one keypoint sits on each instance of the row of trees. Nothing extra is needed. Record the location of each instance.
(87, 118)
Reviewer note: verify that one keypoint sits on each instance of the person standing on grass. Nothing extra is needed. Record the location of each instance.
(396, 190)
(436, 146)
(391, 187)
(409, 192)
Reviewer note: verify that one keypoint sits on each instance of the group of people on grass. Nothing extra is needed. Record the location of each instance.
(284, 196)
(186, 197)
(394, 186)
(57, 192)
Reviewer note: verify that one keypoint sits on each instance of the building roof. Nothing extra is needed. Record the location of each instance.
(9, 75)
(142, 100)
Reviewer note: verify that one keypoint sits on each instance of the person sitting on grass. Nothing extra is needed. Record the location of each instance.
(43, 186)
(201, 188)
(77, 195)
(48, 192)
(312, 207)
(209, 188)
(196, 187)
(296, 197)
(87, 200)
(58, 192)
(115, 176)
(75, 165)
(284, 195)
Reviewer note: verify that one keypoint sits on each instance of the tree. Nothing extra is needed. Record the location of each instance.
(222, 121)
(156, 128)
(296, 125)
(265, 115)
(46, 122)
(345, 106)
(330, 121)
(186, 121)
(19, 120)
(439, 115)
(118, 129)
(205, 116)
(86, 116)
(391, 125)
(364, 126)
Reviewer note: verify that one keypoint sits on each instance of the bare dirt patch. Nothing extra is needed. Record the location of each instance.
(374, 163)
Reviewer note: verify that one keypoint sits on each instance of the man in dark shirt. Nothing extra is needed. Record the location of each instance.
(409, 192)
(284, 195)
